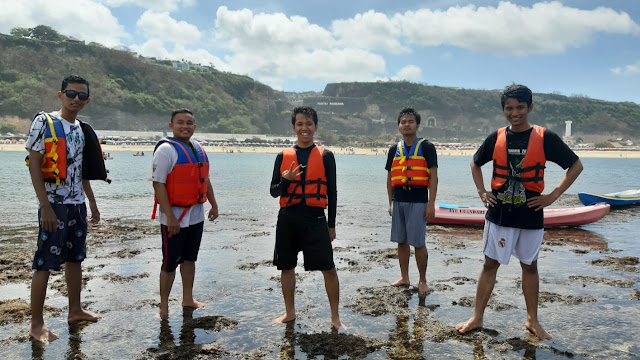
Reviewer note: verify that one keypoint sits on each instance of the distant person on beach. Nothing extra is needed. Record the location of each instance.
(304, 177)
(412, 185)
(514, 220)
(181, 184)
(56, 147)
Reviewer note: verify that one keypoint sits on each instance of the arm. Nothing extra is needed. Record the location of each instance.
(389, 190)
(430, 212)
(487, 197)
(88, 191)
(47, 215)
(162, 196)
(213, 214)
(282, 181)
(332, 192)
(542, 201)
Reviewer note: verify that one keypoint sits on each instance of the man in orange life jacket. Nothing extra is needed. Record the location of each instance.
(55, 146)
(181, 185)
(514, 220)
(412, 184)
(304, 177)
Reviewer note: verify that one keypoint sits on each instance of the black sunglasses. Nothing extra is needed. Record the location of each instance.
(71, 94)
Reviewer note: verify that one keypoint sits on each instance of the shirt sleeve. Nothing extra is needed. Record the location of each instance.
(558, 151)
(35, 141)
(332, 192)
(277, 181)
(390, 155)
(484, 154)
(429, 151)
(164, 159)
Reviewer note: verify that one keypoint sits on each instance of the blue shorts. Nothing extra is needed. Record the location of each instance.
(181, 247)
(408, 223)
(68, 243)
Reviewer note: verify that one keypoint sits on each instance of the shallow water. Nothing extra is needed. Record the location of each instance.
(241, 288)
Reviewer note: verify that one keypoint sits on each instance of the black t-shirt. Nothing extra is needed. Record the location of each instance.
(417, 193)
(511, 209)
(278, 183)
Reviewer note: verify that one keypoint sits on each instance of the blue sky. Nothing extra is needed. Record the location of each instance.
(572, 47)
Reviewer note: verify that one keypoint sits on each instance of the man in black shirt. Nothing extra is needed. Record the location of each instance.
(412, 184)
(514, 220)
(304, 177)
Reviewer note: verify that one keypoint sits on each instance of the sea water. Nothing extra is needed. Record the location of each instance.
(244, 234)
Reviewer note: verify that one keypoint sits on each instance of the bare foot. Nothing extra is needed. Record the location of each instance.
(423, 289)
(42, 334)
(401, 282)
(284, 318)
(537, 330)
(193, 304)
(163, 313)
(83, 315)
(469, 325)
(337, 325)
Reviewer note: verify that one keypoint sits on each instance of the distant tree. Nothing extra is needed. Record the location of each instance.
(43, 32)
(21, 32)
(8, 128)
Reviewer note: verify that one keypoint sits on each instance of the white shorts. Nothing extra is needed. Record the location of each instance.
(500, 242)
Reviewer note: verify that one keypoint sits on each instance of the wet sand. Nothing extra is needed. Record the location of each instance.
(386, 322)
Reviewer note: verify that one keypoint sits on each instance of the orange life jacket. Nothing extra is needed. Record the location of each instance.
(410, 169)
(314, 188)
(533, 164)
(188, 182)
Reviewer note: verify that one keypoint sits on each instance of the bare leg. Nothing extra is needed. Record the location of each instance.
(530, 288)
(422, 257)
(332, 285)
(73, 276)
(166, 282)
(38, 331)
(288, 281)
(404, 251)
(485, 286)
(188, 274)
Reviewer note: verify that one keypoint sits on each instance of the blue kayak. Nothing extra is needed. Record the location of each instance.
(622, 198)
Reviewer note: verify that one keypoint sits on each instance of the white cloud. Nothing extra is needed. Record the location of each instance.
(411, 73)
(157, 5)
(509, 29)
(370, 31)
(162, 26)
(89, 22)
(627, 70)
(275, 48)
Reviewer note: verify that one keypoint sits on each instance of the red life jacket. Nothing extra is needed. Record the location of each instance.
(314, 188)
(410, 169)
(188, 182)
(533, 164)
(54, 161)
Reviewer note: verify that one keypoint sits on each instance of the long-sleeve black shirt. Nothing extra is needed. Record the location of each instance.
(278, 183)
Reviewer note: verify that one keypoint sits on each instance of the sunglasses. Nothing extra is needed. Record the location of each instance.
(71, 94)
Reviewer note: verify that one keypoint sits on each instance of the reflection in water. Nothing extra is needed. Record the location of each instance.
(407, 345)
(37, 350)
(288, 349)
(75, 340)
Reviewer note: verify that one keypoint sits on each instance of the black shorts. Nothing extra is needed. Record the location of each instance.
(68, 243)
(308, 233)
(181, 247)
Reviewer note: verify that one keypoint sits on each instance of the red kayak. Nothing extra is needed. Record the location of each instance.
(468, 215)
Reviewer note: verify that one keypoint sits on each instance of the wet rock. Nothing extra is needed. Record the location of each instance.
(383, 300)
(457, 260)
(441, 287)
(635, 295)
(468, 301)
(381, 256)
(60, 284)
(253, 266)
(18, 310)
(257, 234)
(353, 265)
(610, 282)
(119, 278)
(335, 345)
(458, 280)
(125, 253)
(213, 323)
(548, 297)
(625, 263)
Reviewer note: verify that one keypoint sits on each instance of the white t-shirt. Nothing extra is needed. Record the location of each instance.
(164, 159)
(71, 192)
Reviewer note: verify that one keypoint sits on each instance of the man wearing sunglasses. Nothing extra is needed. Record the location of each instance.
(56, 142)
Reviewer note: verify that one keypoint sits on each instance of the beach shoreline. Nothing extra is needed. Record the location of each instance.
(615, 154)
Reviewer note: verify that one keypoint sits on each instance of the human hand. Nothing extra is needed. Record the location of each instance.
(332, 233)
(48, 219)
(292, 173)
(488, 199)
(173, 225)
(213, 213)
(390, 210)
(430, 212)
(95, 214)
(540, 202)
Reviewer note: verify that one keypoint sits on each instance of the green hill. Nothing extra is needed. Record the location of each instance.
(131, 92)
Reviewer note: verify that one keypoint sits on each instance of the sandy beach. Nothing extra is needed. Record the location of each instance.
(336, 150)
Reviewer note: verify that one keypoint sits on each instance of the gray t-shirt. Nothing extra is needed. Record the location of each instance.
(71, 192)
(164, 159)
